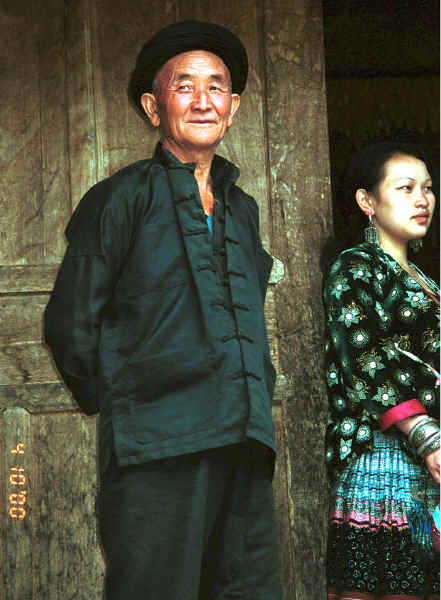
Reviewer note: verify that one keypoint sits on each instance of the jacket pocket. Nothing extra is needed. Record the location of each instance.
(158, 376)
(169, 398)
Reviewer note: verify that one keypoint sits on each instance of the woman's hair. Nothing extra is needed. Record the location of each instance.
(366, 169)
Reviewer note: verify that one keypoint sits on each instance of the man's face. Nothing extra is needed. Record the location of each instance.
(193, 104)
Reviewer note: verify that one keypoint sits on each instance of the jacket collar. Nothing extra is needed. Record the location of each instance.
(223, 172)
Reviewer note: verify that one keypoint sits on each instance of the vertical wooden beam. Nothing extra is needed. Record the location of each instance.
(82, 135)
(300, 201)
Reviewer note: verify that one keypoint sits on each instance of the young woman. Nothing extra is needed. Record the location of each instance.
(382, 357)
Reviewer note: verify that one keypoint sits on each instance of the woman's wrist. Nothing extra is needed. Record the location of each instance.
(424, 435)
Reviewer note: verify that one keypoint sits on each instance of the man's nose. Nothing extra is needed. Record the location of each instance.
(201, 99)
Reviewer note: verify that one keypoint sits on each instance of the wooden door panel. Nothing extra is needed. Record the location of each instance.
(34, 189)
(24, 359)
(21, 279)
(49, 528)
(67, 558)
(17, 521)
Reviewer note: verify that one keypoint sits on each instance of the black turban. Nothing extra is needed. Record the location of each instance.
(183, 37)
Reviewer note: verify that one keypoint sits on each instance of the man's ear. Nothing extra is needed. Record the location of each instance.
(235, 102)
(364, 201)
(150, 107)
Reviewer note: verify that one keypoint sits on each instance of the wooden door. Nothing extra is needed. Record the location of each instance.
(65, 124)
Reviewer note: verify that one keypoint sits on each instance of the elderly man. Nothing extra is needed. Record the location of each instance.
(156, 321)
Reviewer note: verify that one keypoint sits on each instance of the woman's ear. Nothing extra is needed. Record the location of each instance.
(364, 201)
(150, 107)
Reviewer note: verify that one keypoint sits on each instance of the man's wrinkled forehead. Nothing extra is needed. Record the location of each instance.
(192, 66)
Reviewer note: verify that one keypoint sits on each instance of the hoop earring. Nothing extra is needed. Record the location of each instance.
(416, 245)
(371, 233)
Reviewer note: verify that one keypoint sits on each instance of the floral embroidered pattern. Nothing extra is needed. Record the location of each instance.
(359, 392)
(375, 311)
(430, 340)
(427, 397)
(403, 377)
(350, 314)
(417, 300)
(361, 271)
(332, 375)
(359, 338)
(370, 362)
(388, 346)
(364, 433)
(386, 394)
(347, 427)
(340, 286)
(407, 313)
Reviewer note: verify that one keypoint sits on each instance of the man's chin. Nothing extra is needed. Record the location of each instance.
(204, 142)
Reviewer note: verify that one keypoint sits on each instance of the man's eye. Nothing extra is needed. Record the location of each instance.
(184, 87)
(428, 188)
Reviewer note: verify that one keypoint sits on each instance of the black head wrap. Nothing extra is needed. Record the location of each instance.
(183, 37)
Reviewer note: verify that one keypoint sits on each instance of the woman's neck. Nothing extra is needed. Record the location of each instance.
(396, 249)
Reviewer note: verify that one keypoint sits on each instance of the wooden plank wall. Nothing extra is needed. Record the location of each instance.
(65, 124)
(299, 191)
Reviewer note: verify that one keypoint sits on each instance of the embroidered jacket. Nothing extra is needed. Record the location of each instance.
(158, 324)
(375, 310)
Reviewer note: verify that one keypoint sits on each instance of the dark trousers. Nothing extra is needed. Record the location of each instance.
(195, 527)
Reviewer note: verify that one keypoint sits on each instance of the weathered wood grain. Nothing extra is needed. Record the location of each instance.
(299, 187)
(20, 163)
(37, 397)
(33, 188)
(283, 504)
(122, 135)
(25, 363)
(80, 99)
(21, 318)
(67, 560)
(27, 278)
(54, 199)
(18, 492)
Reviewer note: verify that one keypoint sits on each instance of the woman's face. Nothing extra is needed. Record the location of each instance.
(404, 203)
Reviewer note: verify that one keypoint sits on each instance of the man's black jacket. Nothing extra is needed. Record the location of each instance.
(139, 321)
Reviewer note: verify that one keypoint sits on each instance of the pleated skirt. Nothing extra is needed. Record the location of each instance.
(380, 542)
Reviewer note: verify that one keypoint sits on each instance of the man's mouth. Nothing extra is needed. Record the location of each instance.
(203, 122)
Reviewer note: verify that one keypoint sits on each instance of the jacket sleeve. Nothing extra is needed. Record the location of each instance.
(364, 367)
(82, 291)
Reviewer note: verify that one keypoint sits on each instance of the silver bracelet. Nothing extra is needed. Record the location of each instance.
(432, 444)
(423, 430)
(422, 421)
